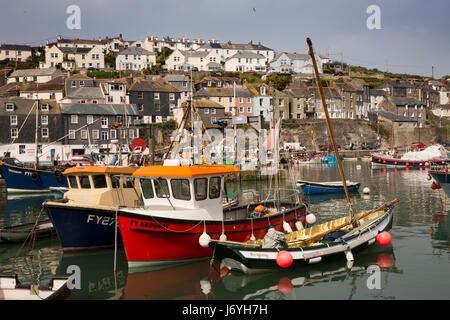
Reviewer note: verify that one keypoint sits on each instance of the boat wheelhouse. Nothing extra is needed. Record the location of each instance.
(85, 217)
(183, 206)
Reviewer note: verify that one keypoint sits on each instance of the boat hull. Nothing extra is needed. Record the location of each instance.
(312, 188)
(81, 228)
(26, 180)
(150, 240)
(256, 260)
(443, 178)
(378, 161)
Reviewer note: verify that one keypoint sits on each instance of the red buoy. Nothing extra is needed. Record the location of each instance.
(224, 272)
(384, 260)
(285, 285)
(384, 238)
(433, 186)
(284, 259)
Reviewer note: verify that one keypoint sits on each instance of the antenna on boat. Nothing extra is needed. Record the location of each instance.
(330, 129)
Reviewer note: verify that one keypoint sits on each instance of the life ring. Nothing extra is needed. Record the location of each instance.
(35, 177)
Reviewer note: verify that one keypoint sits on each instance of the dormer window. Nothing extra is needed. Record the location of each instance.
(10, 107)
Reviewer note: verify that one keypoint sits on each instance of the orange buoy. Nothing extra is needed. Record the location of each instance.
(260, 208)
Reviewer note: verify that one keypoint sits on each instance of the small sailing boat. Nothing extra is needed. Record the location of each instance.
(312, 244)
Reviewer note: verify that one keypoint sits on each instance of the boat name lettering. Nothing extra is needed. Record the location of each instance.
(149, 224)
(104, 220)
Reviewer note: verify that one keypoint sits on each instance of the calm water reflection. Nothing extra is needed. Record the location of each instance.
(414, 266)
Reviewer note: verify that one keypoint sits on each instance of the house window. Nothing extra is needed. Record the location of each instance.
(157, 107)
(44, 119)
(22, 149)
(131, 134)
(140, 95)
(13, 120)
(95, 134)
(72, 134)
(156, 96)
(84, 134)
(44, 132)
(74, 119)
(110, 99)
(140, 107)
(249, 109)
(248, 100)
(171, 96)
(81, 83)
(104, 122)
(14, 133)
(241, 109)
(213, 111)
(94, 101)
(105, 135)
(206, 111)
(90, 119)
(44, 107)
(113, 134)
(10, 107)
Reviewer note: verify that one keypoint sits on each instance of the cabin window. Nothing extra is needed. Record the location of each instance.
(147, 188)
(200, 188)
(99, 181)
(115, 181)
(214, 187)
(128, 182)
(181, 189)
(161, 188)
(73, 182)
(84, 182)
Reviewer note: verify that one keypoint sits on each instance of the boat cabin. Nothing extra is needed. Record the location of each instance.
(102, 186)
(173, 189)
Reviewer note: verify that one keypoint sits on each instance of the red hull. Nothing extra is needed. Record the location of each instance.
(150, 239)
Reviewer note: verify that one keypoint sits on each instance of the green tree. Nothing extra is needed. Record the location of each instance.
(110, 59)
(279, 82)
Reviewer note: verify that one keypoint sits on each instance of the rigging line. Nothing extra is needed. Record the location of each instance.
(20, 129)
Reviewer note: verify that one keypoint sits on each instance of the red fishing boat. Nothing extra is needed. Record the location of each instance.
(184, 207)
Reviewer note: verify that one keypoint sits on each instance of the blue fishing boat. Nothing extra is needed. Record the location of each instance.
(20, 179)
(309, 187)
(86, 216)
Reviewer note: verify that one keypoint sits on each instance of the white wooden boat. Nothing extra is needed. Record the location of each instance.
(12, 289)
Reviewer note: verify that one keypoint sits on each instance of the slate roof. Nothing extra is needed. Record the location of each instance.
(224, 92)
(21, 47)
(98, 109)
(153, 85)
(246, 54)
(393, 117)
(176, 77)
(36, 72)
(401, 101)
(23, 106)
(137, 51)
(86, 92)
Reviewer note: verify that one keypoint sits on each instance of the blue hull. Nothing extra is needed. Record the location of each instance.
(83, 228)
(318, 189)
(443, 180)
(26, 180)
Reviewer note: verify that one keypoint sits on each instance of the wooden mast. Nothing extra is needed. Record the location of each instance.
(319, 84)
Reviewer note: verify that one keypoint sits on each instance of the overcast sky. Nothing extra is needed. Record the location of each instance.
(414, 34)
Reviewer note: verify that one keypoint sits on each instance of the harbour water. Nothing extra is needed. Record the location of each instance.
(415, 266)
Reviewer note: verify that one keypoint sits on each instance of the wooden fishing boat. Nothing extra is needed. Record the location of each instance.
(307, 246)
(20, 233)
(86, 217)
(12, 289)
(183, 207)
(309, 187)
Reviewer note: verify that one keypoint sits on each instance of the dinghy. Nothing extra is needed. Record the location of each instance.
(307, 246)
(20, 233)
(309, 187)
(12, 289)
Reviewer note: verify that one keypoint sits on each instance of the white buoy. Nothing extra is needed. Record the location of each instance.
(223, 237)
(252, 238)
(299, 225)
(310, 218)
(366, 190)
(287, 228)
(204, 240)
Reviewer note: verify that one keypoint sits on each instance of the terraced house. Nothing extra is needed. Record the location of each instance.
(154, 99)
(237, 101)
(15, 52)
(195, 60)
(135, 58)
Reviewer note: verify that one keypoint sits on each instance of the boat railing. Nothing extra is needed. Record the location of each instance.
(289, 195)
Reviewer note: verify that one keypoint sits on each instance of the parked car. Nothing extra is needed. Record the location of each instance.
(352, 146)
(446, 144)
(368, 145)
(83, 159)
(417, 144)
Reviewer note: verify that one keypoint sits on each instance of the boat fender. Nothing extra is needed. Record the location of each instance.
(428, 177)
(298, 225)
(206, 286)
(349, 255)
(252, 238)
(286, 227)
(314, 260)
(223, 237)
(204, 240)
(260, 208)
(310, 218)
